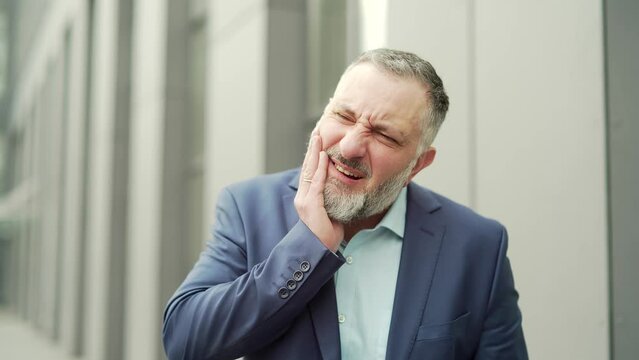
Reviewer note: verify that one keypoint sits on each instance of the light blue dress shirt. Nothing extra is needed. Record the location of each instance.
(365, 285)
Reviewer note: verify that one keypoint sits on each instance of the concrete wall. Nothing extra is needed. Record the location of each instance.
(524, 143)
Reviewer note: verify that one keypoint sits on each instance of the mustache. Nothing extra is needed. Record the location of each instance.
(334, 153)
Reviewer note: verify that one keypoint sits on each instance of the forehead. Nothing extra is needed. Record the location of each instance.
(381, 97)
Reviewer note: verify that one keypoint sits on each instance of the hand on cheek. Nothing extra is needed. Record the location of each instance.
(309, 200)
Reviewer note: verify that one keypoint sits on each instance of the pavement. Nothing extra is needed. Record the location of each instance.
(20, 341)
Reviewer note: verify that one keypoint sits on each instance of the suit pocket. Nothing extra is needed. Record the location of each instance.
(439, 341)
(453, 328)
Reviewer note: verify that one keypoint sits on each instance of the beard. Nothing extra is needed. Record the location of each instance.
(345, 206)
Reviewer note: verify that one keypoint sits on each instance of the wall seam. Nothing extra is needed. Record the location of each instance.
(608, 189)
(472, 107)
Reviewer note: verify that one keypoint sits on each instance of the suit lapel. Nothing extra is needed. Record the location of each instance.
(323, 307)
(420, 252)
(289, 208)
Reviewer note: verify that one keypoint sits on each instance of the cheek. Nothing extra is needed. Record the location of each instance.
(386, 165)
(330, 134)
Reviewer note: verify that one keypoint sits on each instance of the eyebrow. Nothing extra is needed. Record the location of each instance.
(344, 108)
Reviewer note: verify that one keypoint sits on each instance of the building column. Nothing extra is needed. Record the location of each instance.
(143, 307)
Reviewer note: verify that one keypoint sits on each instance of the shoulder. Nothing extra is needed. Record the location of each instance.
(458, 219)
(262, 188)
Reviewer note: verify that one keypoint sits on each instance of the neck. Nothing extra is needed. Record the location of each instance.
(356, 226)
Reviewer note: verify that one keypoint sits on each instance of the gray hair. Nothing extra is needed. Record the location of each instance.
(409, 65)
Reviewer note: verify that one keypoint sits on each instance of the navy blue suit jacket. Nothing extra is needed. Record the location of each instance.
(263, 287)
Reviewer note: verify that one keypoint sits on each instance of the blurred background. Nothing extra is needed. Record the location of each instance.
(121, 120)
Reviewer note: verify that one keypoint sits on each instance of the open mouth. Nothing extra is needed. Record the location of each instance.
(348, 173)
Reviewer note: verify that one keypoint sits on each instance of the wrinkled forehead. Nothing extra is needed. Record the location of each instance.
(367, 90)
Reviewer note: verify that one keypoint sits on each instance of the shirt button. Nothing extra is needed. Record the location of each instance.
(298, 276)
(341, 318)
(349, 259)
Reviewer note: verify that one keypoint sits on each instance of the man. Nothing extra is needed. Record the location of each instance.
(346, 258)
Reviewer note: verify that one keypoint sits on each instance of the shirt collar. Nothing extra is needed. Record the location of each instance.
(395, 218)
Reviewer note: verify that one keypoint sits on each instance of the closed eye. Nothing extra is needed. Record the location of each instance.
(344, 117)
(389, 139)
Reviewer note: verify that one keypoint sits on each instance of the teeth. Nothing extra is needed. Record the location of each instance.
(344, 171)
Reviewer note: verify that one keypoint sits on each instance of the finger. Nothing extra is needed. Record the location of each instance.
(316, 128)
(310, 165)
(307, 156)
(319, 179)
(314, 134)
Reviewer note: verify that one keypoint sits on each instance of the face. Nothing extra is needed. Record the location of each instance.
(371, 130)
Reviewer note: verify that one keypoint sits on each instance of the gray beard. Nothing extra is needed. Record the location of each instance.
(345, 206)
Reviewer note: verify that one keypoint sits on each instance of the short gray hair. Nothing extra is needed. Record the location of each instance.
(409, 65)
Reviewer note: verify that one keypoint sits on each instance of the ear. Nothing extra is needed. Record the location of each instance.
(424, 160)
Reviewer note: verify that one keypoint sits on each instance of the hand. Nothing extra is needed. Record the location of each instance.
(309, 200)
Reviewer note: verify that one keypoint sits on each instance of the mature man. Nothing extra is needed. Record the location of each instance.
(347, 258)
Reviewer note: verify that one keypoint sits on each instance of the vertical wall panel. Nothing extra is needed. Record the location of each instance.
(541, 164)
(286, 92)
(70, 308)
(523, 142)
(101, 169)
(622, 57)
(143, 306)
(439, 32)
(236, 107)
(50, 187)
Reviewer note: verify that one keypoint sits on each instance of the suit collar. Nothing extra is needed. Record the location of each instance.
(295, 179)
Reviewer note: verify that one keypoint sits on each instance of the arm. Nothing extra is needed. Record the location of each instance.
(502, 336)
(224, 310)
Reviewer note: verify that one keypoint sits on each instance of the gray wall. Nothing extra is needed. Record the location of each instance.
(285, 95)
(524, 143)
(622, 60)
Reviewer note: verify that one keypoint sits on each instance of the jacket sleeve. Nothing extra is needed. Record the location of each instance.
(224, 310)
(502, 336)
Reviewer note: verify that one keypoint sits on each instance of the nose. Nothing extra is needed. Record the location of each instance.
(353, 144)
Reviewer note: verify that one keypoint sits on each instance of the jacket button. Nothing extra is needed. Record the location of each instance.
(283, 292)
(305, 266)
(291, 284)
(298, 275)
